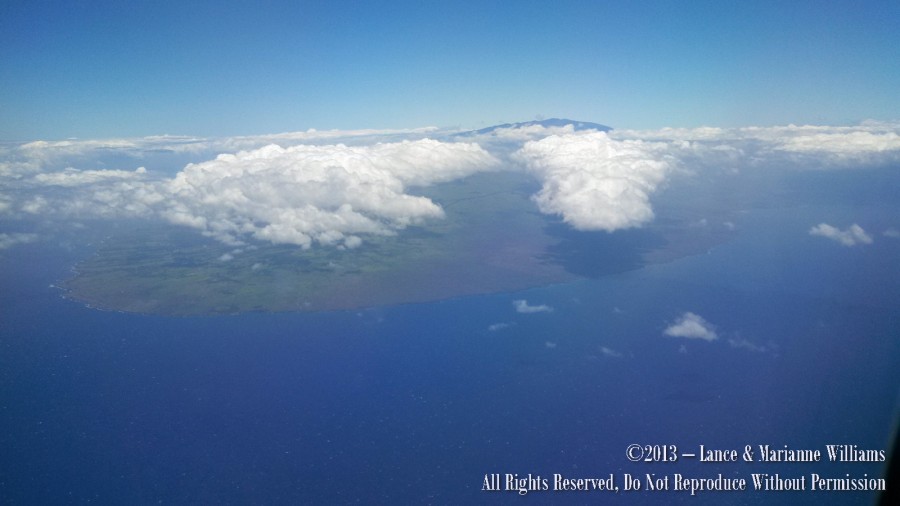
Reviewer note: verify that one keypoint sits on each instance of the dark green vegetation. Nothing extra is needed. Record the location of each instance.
(493, 239)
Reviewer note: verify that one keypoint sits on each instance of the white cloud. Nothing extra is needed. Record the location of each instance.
(849, 237)
(285, 188)
(313, 136)
(17, 160)
(692, 326)
(807, 146)
(747, 345)
(35, 205)
(497, 326)
(891, 232)
(522, 306)
(846, 143)
(524, 133)
(74, 177)
(305, 194)
(323, 194)
(609, 352)
(10, 240)
(595, 182)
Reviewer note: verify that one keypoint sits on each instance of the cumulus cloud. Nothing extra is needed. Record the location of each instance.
(290, 188)
(891, 232)
(314, 136)
(326, 194)
(609, 352)
(595, 182)
(18, 160)
(524, 133)
(74, 177)
(747, 345)
(9, 240)
(35, 205)
(304, 194)
(849, 237)
(22, 160)
(104, 198)
(692, 326)
(844, 143)
(522, 306)
(497, 326)
(805, 146)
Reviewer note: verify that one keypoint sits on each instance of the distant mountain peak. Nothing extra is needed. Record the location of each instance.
(550, 122)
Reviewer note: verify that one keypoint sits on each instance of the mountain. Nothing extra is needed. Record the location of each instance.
(551, 122)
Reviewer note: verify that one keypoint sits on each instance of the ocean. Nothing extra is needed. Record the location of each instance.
(421, 403)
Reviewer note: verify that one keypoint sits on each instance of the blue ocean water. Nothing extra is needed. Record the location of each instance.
(415, 404)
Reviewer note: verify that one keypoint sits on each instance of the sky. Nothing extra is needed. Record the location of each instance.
(125, 69)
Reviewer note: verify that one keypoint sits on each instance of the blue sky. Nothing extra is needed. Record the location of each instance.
(118, 69)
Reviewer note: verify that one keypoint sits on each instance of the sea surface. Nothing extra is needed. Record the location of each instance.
(415, 404)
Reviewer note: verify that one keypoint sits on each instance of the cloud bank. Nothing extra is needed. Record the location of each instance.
(692, 326)
(304, 194)
(807, 146)
(850, 237)
(290, 188)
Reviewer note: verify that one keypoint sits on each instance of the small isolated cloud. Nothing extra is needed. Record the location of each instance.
(692, 326)
(892, 233)
(497, 326)
(522, 306)
(747, 345)
(609, 352)
(10, 240)
(595, 182)
(227, 257)
(849, 237)
(550, 344)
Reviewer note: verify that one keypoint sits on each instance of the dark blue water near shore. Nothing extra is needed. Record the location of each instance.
(415, 404)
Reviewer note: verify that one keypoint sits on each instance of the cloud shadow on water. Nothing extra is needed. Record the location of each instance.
(595, 254)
